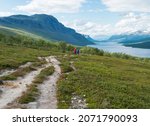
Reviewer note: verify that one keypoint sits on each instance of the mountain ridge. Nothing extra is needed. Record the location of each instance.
(46, 26)
(136, 39)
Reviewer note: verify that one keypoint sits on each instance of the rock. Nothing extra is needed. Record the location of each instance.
(78, 102)
(1, 82)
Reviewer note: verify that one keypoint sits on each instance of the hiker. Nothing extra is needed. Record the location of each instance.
(75, 51)
(78, 51)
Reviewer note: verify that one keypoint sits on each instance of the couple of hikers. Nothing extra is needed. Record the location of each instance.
(76, 51)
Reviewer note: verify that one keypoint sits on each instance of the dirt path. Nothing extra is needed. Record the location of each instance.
(47, 99)
(14, 89)
(7, 72)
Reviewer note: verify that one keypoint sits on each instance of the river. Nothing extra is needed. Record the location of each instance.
(117, 47)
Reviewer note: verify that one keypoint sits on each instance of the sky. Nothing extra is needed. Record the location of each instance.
(96, 18)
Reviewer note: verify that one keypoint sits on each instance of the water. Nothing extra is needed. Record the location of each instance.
(116, 47)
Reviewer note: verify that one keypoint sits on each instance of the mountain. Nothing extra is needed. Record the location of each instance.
(137, 39)
(117, 37)
(89, 38)
(131, 38)
(45, 26)
(144, 45)
(15, 32)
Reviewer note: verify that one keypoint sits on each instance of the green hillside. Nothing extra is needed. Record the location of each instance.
(13, 32)
(105, 80)
(45, 26)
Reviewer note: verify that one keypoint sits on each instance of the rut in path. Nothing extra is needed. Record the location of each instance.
(8, 72)
(17, 87)
(48, 99)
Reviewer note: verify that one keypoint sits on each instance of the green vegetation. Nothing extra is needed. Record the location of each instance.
(65, 65)
(14, 32)
(19, 73)
(93, 51)
(17, 50)
(107, 82)
(42, 76)
(24, 41)
(13, 56)
(23, 71)
(32, 92)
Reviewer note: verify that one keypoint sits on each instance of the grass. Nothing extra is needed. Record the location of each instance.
(30, 95)
(65, 65)
(12, 31)
(19, 73)
(32, 92)
(42, 76)
(13, 56)
(107, 82)
(23, 71)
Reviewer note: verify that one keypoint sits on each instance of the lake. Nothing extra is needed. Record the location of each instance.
(117, 47)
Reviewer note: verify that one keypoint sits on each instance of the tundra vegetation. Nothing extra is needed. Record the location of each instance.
(105, 80)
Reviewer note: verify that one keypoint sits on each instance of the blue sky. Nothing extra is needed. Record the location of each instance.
(92, 17)
(86, 11)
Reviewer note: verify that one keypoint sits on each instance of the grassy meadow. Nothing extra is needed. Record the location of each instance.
(105, 80)
(13, 56)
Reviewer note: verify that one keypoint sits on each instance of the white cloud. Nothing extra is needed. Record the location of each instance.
(89, 28)
(128, 5)
(128, 24)
(51, 6)
(3, 14)
(133, 22)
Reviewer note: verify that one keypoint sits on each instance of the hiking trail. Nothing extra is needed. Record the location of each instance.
(48, 89)
(14, 89)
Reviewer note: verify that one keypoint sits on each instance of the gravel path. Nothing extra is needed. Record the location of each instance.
(48, 99)
(14, 89)
(9, 71)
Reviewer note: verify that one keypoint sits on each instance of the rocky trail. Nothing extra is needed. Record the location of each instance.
(11, 90)
(47, 99)
(9, 71)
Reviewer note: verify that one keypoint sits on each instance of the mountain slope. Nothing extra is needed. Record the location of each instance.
(145, 45)
(138, 39)
(46, 26)
(14, 32)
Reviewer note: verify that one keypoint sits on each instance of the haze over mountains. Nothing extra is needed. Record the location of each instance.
(46, 26)
(138, 39)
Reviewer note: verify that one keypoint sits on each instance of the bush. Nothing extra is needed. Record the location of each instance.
(93, 51)
(24, 41)
(122, 55)
(62, 46)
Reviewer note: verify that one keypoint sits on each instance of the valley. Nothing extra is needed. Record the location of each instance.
(93, 79)
(39, 70)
